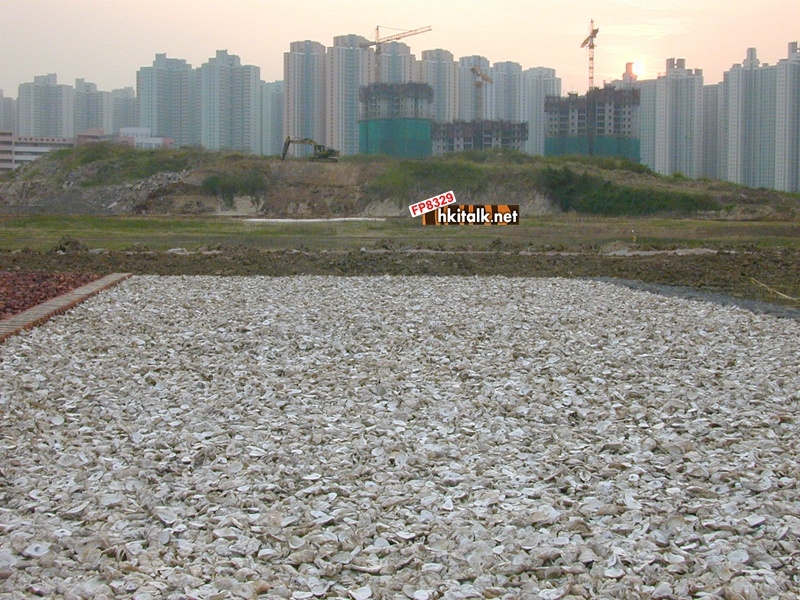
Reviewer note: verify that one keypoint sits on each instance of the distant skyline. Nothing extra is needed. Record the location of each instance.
(107, 41)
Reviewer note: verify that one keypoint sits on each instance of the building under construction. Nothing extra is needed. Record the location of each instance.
(396, 119)
(478, 135)
(604, 122)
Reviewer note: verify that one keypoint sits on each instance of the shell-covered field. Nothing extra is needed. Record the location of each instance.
(399, 437)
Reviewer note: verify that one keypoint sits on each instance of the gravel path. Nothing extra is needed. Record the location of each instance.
(399, 437)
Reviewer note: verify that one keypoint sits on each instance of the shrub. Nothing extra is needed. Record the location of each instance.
(585, 193)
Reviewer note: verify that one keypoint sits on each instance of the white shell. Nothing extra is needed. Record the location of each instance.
(363, 437)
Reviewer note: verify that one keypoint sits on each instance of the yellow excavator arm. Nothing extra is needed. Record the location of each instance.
(321, 152)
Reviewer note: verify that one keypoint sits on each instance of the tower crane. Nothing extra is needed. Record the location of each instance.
(589, 43)
(481, 77)
(390, 38)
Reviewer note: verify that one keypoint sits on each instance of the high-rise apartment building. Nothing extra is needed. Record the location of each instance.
(536, 84)
(46, 108)
(8, 113)
(787, 121)
(166, 100)
(507, 86)
(475, 94)
(671, 120)
(713, 131)
(272, 98)
(304, 94)
(604, 122)
(747, 101)
(348, 67)
(93, 108)
(229, 104)
(438, 69)
(397, 63)
(123, 109)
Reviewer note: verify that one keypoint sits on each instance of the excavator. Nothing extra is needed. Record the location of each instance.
(322, 153)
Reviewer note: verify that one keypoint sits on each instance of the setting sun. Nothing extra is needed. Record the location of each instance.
(638, 69)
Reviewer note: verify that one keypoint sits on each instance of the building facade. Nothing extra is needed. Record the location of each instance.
(671, 120)
(713, 131)
(123, 109)
(348, 67)
(438, 69)
(748, 105)
(396, 119)
(478, 135)
(604, 122)
(507, 86)
(165, 94)
(272, 100)
(304, 94)
(8, 113)
(18, 150)
(397, 64)
(536, 85)
(229, 104)
(45, 108)
(787, 121)
(475, 93)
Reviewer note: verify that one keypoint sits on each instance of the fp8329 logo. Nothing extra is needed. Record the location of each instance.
(425, 206)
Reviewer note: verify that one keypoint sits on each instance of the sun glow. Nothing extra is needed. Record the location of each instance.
(638, 69)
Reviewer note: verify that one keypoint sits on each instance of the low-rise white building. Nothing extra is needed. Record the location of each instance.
(18, 150)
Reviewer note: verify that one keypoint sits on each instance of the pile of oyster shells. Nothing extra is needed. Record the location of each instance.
(399, 437)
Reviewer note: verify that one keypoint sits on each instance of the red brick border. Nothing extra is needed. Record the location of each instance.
(60, 304)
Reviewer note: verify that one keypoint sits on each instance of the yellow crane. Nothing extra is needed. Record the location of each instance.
(589, 43)
(390, 38)
(481, 77)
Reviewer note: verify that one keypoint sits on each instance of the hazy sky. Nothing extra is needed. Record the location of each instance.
(106, 41)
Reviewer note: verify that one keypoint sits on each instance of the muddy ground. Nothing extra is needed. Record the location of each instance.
(745, 274)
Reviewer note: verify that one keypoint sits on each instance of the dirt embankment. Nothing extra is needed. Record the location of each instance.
(744, 274)
(296, 188)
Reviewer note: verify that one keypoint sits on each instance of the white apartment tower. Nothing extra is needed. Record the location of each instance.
(46, 108)
(536, 83)
(272, 118)
(397, 63)
(93, 109)
(748, 104)
(671, 120)
(713, 131)
(8, 114)
(229, 104)
(304, 94)
(787, 122)
(507, 88)
(472, 91)
(123, 108)
(348, 66)
(438, 69)
(166, 100)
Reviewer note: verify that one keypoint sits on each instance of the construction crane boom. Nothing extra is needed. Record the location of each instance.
(390, 38)
(480, 78)
(589, 43)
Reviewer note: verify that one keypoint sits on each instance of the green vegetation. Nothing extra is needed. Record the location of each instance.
(588, 185)
(408, 180)
(579, 184)
(227, 184)
(111, 163)
(591, 194)
(568, 232)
